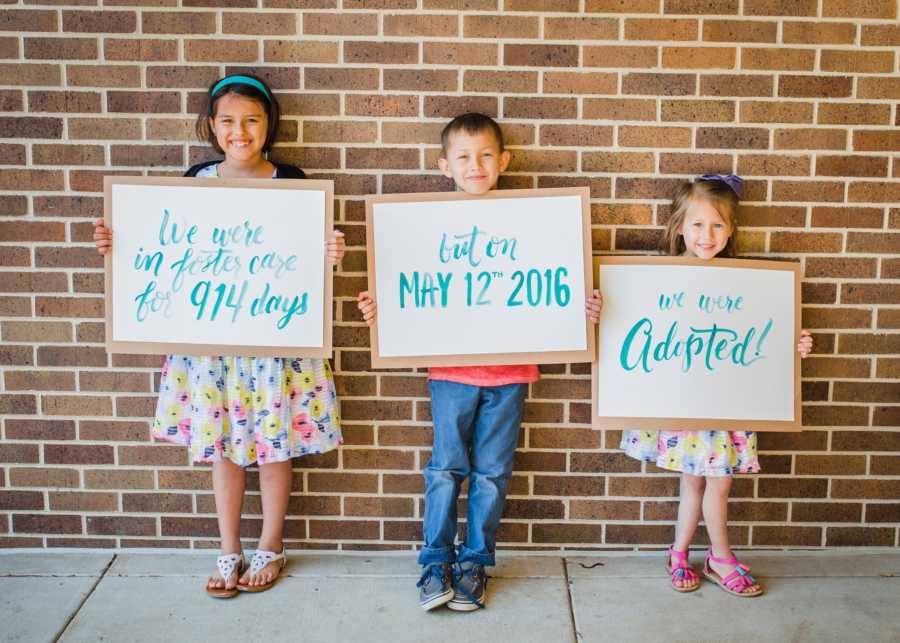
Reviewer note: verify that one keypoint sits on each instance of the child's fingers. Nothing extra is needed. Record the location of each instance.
(338, 234)
(363, 296)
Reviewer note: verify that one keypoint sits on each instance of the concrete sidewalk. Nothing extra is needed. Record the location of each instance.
(126, 596)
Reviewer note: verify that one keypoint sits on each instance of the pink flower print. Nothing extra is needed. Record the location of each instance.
(184, 428)
(165, 368)
(183, 398)
(239, 412)
(306, 430)
(264, 452)
(740, 442)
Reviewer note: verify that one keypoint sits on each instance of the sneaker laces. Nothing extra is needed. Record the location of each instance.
(458, 573)
(434, 569)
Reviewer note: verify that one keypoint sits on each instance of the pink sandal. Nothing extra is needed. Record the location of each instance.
(681, 571)
(736, 582)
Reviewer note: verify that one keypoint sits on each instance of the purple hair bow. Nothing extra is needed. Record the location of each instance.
(736, 183)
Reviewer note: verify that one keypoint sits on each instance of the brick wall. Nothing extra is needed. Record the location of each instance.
(626, 96)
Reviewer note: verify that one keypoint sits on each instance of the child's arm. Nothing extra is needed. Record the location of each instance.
(366, 306)
(804, 346)
(102, 237)
(593, 306)
(335, 247)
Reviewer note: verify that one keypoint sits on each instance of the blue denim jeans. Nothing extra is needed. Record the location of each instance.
(475, 433)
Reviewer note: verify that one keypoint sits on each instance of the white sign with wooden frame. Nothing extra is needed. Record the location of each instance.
(495, 279)
(688, 344)
(208, 266)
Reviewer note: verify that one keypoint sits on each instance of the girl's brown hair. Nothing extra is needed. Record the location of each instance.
(718, 194)
(266, 99)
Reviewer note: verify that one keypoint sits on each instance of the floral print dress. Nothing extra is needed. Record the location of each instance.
(699, 453)
(247, 409)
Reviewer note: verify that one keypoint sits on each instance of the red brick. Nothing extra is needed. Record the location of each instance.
(698, 57)
(563, 82)
(873, 192)
(859, 9)
(876, 242)
(695, 164)
(781, 8)
(267, 24)
(46, 523)
(99, 21)
(458, 53)
(19, 20)
(867, 62)
(340, 24)
(810, 139)
(178, 22)
(391, 53)
(780, 59)
(432, 80)
(815, 86)
(777, 112)
(851, 166)
(504, 82)
(880, 35)
(581, 28)
(61, 48)
(733, 137)
(618, 56)
(428, 25)
(660, 29)
(487, 26)
(540, 55)
(383, 106)
(619, 109)
(540, 107)
(223, 50)
(743, 31)
(29, 74)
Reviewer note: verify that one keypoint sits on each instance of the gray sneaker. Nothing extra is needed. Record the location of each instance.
(435, 586)
(469, 586)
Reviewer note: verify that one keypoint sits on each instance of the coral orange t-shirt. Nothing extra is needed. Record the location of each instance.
(486, 375)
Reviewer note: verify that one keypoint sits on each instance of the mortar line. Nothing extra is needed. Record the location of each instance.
(84, 600)
(568, 583)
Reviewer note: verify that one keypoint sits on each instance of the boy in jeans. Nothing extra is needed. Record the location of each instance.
(476, 412)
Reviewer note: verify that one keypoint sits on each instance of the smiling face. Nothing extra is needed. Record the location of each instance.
(704, 230)
(474, 161)
(240, 126)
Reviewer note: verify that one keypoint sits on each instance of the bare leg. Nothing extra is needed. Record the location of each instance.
(275, 487)
(715, 514)
(228, 485)
(688, 517)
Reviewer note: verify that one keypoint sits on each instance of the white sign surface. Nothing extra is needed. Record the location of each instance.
(686, 344)
(201, 264)
(494, 279)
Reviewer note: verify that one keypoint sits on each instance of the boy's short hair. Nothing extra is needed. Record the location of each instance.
(471, 123)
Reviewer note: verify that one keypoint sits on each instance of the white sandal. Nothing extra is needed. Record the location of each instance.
(260, 559)
(227, 565)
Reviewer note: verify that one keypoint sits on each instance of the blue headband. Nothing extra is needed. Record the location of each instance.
(240, 80)
(736, 183)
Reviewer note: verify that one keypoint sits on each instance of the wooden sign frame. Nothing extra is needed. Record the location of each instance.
(249, 350)
(699, 424)
(482, 359)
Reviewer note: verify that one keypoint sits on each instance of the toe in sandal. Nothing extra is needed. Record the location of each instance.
(260, 559)
(227, 565)
(736, 582)
(681, 571)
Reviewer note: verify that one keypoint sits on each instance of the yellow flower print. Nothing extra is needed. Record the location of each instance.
(336, 416)
(209, 394)
(307, 380)
(251, 452)
(173, 413)
(209, 433)
(272, 426)
(327, 368)
(316, 409)
(179, 379)
(260, 399)
(692, 444)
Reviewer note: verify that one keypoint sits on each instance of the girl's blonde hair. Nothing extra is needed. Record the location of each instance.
(719, 195)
